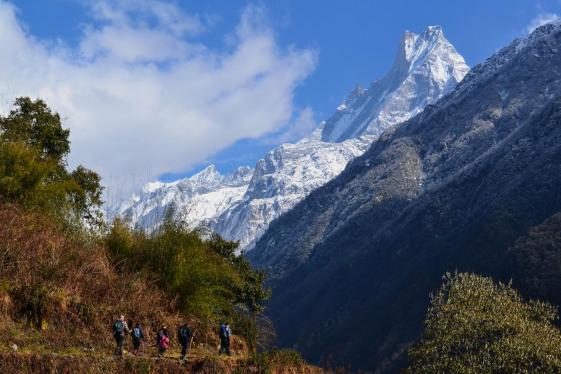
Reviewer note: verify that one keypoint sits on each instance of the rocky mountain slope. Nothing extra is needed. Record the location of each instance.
(353, 264)
(426, 67)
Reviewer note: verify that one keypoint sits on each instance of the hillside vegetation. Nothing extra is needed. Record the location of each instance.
(64, 277)
(537, 257)
(475, 325)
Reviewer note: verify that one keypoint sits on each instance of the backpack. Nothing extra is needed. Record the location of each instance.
(224, 332)
(137, 333)
(164, 342)
(184, 333)
(119, 327)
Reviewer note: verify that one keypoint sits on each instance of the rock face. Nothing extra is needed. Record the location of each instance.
(352, 265)
(426, 67)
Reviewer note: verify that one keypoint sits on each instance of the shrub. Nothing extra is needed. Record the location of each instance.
(474, 325)
(278, 360)
(206, 276)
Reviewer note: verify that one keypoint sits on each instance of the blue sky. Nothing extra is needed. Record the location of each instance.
(353, 42)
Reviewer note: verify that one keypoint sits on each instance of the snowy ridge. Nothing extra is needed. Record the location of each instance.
(197, 200)
(283, 178)
(240, 206)
(481, 162)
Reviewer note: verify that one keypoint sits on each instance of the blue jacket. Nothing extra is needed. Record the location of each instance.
(225, 331)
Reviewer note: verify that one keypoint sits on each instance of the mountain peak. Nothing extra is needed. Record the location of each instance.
(426, 67)
(242, 175)
(434, 30)
(209, 169)
(416, 49)
(358, 90)
(240, 204)
(406, 44)
(208, 174)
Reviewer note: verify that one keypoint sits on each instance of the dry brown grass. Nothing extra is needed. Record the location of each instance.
(15, 363)
(60, 364)
(68, 290)
(60, 296)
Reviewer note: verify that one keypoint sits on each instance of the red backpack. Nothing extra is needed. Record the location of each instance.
(164, 342)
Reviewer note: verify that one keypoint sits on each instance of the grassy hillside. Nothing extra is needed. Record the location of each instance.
(67, 289)
(65, 276)
(60, 294)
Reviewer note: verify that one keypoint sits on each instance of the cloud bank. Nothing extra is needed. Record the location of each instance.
(142, 97)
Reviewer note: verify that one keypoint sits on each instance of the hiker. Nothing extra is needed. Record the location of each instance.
(224, 335)
(184, 336)
(137, 335)
(120, 328)
(162, 341)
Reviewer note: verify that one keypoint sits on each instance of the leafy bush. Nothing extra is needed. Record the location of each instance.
(474, 325)
(279, 359)
(210, 281)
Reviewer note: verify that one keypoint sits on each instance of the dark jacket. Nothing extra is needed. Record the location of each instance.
(184, 334)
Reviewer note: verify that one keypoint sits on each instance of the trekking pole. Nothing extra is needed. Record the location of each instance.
(191, 342)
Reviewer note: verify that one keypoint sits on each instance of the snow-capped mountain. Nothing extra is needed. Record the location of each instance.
(426, 67)
(198, 200)
(242, 205)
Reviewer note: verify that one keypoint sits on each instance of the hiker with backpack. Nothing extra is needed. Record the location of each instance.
(162, 341)
(225, 333)
(120, 328)
(137, 335)
(184, 335)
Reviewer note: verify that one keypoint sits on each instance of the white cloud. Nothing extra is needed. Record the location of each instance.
(139, 12)
(540, 20)
(141, 97)
(302, 126)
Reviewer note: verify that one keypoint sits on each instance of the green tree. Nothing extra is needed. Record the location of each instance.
(86, 198)
(33, 123)
(251, 292)
(475, 325)
(33, 172)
